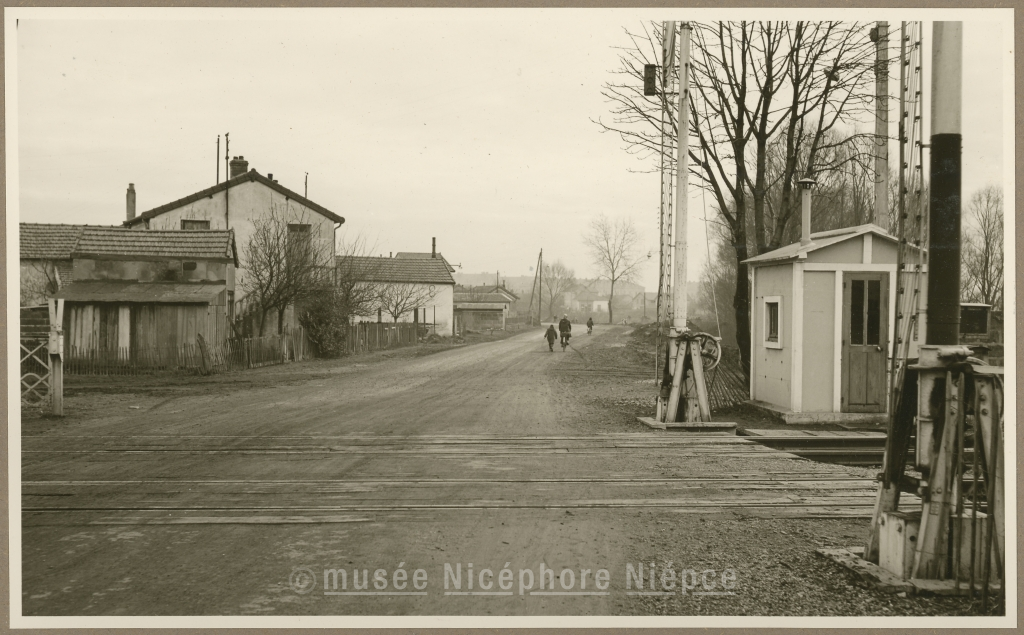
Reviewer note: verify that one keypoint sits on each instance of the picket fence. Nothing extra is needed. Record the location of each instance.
(364, 337)
(194, 358)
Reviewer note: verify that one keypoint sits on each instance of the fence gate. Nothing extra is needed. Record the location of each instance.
(35, 371)
(42, 344)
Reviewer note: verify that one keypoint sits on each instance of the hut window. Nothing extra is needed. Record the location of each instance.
(773, 321)
(188, 266)
(195, 224)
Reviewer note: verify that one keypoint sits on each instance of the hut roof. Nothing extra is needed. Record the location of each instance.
(820, 240)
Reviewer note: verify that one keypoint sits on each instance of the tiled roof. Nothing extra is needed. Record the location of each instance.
(144, 292)
(421, 271)
(417, 255)
(118, 241)
(251, 175)
(500, 298)
(39, 241)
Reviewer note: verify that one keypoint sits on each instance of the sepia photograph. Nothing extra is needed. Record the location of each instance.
(451, 317)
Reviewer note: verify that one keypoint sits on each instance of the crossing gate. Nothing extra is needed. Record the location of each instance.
(41, 344)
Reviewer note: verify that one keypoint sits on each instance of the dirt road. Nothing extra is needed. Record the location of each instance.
(475, 458)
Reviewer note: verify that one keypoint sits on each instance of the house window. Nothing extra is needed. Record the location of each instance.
(773, 321)
(195, 224)
(188, 266)
(300, 238)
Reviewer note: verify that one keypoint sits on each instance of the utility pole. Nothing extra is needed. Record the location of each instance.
(305, 191)
(682, 183)
(668, 46)
(540, 287)
(944, 208)
(216, 158)
(880, 36)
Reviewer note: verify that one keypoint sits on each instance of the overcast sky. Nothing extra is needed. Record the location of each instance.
(471, 126)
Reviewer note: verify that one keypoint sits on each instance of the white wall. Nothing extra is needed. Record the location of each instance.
(248, 201)
(440, 309)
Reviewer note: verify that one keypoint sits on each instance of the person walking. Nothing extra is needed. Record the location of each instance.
(550, 335)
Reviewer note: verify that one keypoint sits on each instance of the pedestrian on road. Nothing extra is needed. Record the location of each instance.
(550, 335)
(565, 328)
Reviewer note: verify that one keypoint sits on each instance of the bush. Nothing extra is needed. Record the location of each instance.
(325, 319)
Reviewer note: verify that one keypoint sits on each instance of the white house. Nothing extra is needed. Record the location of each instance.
(235, 204)
(407, 285)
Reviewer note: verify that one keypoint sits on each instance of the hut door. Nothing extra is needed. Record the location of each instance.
(865, 341)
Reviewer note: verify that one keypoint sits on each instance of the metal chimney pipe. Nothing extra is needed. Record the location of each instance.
(130, 200)
(805, 210)
(944, 206)
(433, 247)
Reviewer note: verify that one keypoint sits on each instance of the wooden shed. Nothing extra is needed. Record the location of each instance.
(136, 292)
(822, 321)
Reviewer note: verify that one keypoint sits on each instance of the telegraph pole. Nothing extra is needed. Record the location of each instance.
(540, 287)
(880, 35)
(682, 183)
(668, 46)
(944, 208)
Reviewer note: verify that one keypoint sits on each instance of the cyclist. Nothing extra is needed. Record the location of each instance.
(590, 325)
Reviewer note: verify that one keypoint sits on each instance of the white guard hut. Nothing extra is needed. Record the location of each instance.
(822, 318)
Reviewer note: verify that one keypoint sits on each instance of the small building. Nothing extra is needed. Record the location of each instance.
(822, 320)
(404, 286)
(133, 292)
(45, 253)
(477, 309)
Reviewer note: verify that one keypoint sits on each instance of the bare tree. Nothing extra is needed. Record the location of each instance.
(982, 257)
(615, 250)
(41, 283)
(355, 278)
(285, 262)
(557, 280)
(398, 298)
(753, 84)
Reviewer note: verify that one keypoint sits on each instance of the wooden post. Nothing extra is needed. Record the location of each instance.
(930, 555)
(56, 354)
(672, 412)
(703, 406)
(204, 354)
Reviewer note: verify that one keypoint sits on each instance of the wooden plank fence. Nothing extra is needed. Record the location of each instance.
(364, 337)
(193, 358)
(726, 384)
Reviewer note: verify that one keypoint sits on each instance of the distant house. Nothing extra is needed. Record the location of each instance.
(478, 308)
(433, 254)
(405, 286)
(236, 204)
(45, 259)
(135, 291)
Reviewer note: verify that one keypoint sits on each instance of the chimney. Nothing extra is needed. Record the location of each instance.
(131, 201)
(805, 216)
(239, 166)
(433, 247)
(270, 175)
